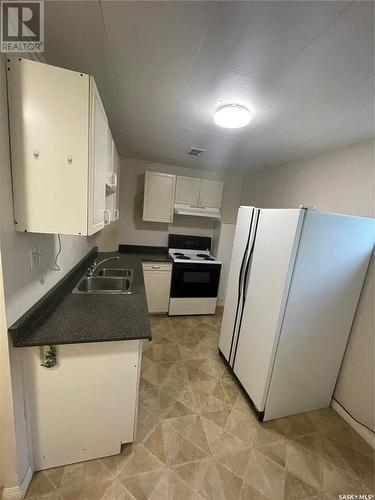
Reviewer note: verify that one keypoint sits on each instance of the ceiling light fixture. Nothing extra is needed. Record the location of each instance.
(232, 116)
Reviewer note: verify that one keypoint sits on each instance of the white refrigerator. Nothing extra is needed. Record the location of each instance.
(294, 283)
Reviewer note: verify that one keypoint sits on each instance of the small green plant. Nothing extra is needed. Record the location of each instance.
(50, 357)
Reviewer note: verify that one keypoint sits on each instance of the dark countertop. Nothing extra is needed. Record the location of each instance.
(73, 318)
(153, 254)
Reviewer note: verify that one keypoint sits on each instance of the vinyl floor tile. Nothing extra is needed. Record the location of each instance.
(197, 437)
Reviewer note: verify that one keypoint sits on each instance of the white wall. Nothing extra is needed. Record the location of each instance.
(131, 229)
(222, 249)
(343, 182)
(22, 286)
(8, 450)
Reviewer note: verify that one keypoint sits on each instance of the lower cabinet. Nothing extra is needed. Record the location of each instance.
(86, 406)
(157, 276)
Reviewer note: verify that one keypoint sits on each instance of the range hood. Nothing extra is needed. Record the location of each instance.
(212, 213)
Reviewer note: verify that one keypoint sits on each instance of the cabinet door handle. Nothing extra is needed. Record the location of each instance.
(155, 267)
(114, 179)
(108, 220)
(117, 214)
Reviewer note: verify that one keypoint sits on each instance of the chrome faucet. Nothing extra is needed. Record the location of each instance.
(91, 270)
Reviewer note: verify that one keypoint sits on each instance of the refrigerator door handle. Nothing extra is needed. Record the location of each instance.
(240, 285)
(250, 260)
(246, 279)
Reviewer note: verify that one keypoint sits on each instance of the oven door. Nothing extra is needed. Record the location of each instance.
(195, 280)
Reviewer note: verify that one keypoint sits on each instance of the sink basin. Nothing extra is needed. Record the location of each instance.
(115, 272)
(104, 285)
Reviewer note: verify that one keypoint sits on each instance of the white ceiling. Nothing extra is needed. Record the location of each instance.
(305, 69)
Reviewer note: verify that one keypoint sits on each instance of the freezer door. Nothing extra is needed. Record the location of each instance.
(267, 278)
(330, 268)
(234, 292)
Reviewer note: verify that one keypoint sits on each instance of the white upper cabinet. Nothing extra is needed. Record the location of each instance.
(210, 193)
(187, 190)
(200, 193)
(58, 131)
(158, 197)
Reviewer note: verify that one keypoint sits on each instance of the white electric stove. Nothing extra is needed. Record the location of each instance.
(195, 275)
(192, 256)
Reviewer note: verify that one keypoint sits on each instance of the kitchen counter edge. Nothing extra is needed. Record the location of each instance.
(34, 327)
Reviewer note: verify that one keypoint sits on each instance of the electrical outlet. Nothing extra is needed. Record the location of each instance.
(34, 258)
(40, 254)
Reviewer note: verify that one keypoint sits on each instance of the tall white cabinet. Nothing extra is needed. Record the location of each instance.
(59, 149)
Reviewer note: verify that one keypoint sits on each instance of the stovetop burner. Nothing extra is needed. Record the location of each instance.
(192, 256)
(204, 256)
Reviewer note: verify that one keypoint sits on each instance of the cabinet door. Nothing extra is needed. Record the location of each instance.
(211, 193)
(187, 190)
(157, 284)
(98, 161)
(49, 132)
(100, 380)
(158, 197)
(112, 186)
(116, 161)
(110, 178)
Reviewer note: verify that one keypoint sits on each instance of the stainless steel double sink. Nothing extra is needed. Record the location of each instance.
(107, 281)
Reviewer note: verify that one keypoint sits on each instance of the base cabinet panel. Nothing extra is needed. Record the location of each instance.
(158, 284)
(86, 406)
